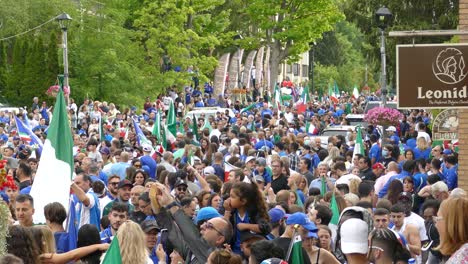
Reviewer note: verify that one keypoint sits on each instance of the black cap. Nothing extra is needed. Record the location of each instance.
(149, 225)
(246, 236)
(124, 183)
(180, 182)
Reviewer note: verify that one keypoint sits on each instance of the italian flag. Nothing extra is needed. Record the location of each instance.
(335, 210)
(296, 256)
(358, 145)
(301, 107)
(113, 253)
(355, 92)
(157, 127)
(228, 167)
(207, 125)
(171, 122)
(55, 170)
(248, 108)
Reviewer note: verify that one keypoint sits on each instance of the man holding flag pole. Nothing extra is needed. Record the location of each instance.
(297, 225)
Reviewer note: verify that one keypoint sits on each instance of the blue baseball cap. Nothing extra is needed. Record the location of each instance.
(301, 219)
(312, 234)
(276, 215)
(207, 213)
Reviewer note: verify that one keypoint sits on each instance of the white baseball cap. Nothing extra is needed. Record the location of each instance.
(391, 128)
(354, 235)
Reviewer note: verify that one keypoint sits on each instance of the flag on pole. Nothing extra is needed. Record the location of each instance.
(171, 121)
(355, 92)
(113, 253)
(55, 170)
(27, 135)
(330, 90)
(294, 255)
(207, 125)
(276, 97)
(141, 138)
(72, 223)
(164, 139)
(335, 210)
(305, 98)
(348, 108)
(228, 167)
(336, 90)
(311, 129)
(248, 108)
(157, 127)
(358, 145)
(323, 186)
(305, 95)
(195, 127)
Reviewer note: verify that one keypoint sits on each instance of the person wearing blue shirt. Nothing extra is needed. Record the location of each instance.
(262, 142)
(422, 149)
(408, 168)
(451, 172)
(147, 160)
(55, 215)
(375, 152)
(199, 103)
(151, 229)
(267, 111)
(117, 216)
(261, 170)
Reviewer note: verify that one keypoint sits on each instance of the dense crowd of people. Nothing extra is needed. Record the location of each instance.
(242, 188)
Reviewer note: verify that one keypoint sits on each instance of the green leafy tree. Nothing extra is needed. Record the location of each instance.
(3, 67)
(409, 15)
(184, 32)
(52, 62)
(16, 76)
(288, 27)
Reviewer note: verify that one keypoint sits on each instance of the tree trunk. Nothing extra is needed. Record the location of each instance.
(274, 66)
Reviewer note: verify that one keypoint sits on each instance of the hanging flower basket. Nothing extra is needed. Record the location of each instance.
(54, 90)
(383, 116)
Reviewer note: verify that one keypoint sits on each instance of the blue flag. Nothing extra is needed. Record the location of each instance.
(25, 133)
(141, 138)
(71, 226)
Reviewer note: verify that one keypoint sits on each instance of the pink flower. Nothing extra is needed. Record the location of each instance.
(383, 115)
(54, 89)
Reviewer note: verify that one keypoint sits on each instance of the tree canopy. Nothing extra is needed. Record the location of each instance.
(120, 50)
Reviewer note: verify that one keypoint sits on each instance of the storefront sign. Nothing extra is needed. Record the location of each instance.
(445, 125)
(432, 76)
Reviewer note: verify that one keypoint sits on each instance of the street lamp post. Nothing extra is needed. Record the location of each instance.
(64, 21)
(383, 17)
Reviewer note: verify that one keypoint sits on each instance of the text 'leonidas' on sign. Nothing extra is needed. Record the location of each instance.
(432, 76)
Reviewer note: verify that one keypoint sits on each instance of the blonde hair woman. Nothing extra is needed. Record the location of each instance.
(333, 153)
(422, 149)
(44, 238)
(132, 243)
(453, 229)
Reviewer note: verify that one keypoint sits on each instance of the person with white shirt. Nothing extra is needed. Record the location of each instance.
(87, 203)
(421, 128)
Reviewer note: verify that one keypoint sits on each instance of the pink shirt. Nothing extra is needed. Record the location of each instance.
(382, 180)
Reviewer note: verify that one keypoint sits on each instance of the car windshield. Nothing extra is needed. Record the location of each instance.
(337, 132)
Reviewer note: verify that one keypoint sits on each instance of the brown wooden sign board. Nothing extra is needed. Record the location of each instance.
(432, 76)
